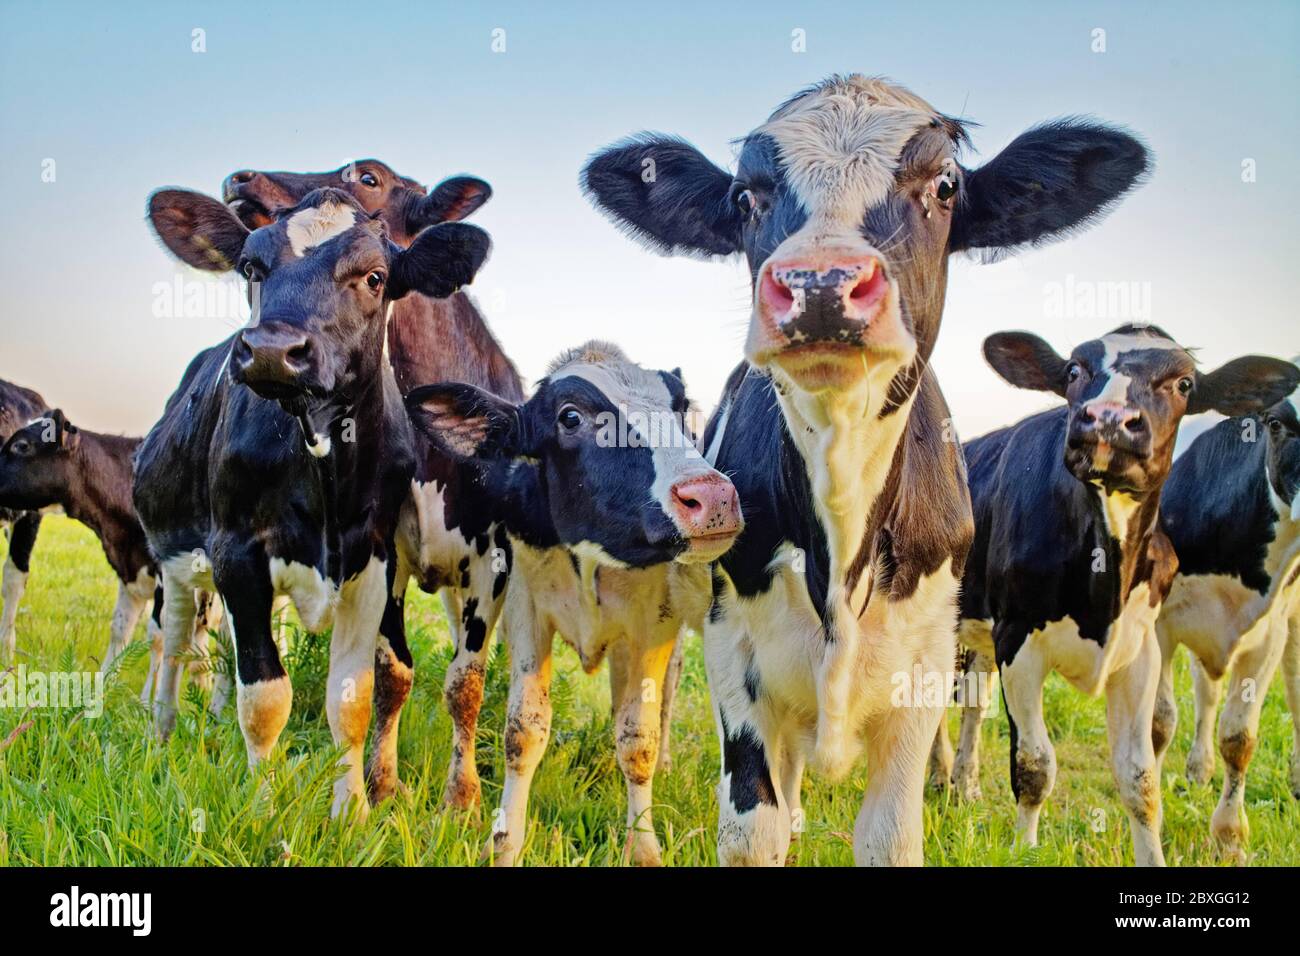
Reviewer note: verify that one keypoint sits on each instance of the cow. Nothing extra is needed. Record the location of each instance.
(1070, 566)
(1231, 508)
(846, 204)
(611, 517)
(443, 542)
(51, 463)
(282, 461)
(18, 406)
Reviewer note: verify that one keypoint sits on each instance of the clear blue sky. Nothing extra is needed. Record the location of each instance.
(113, 94)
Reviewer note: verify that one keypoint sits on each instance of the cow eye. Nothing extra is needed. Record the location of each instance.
(1073, 372)
(746, 203)
(1184, 386)
(21, 447)
(1275, 425)
(945, 186)
(375, 280)
(569, 418)
(369, 179)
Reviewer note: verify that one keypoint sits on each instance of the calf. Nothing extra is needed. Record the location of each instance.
(1231, 508)
(846, 203)
(1069, 565)
(445, 539)
(281, 463)
(18, 406)
(611, 516)
(51, 463)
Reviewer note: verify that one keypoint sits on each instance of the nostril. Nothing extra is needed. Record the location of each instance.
(299, 354)
(1135, 425)
(687, 502)
(777, 292)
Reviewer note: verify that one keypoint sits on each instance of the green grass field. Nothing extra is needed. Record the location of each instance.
(86, 792)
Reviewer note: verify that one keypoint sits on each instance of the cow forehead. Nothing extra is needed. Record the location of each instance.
(840, 142)
(315, 225)
(623, 383)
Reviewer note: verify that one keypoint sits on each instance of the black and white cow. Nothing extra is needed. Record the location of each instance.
(18, 406)
(846, 203)
(281, 463)
(611, 517)
(1069, 565)
(51, 463)
(1231, 508)
(446, 539)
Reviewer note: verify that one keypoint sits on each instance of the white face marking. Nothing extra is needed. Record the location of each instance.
(1116, 389)
(309, 228)
(319, 446)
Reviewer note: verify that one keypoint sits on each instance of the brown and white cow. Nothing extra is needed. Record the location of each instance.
(847, 203)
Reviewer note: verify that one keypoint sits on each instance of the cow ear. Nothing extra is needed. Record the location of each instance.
(450, 201)
(1244, 386)
(464, 421)
(57, 430)
(1052, 180)
(199, 230)
(440, 260)
(665, 194)
(1026, 361)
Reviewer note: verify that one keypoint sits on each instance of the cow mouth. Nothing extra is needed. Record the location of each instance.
(702, 548)
(1113, 467)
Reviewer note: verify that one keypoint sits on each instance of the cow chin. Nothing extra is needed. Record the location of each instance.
(1114, 469)
(704, 549)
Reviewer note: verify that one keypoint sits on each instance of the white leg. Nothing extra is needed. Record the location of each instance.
(178, 615)
(154, 675)
(1130, 705)
(793, 759)
(126, 614)
(671, 680)
(1033, 771)
(1291, 679)
(636, 736)
(350, 686)
(978, 685)
(1164, 719)
(1206, 693)
(14, 583)
(941, 758)
(221, 679)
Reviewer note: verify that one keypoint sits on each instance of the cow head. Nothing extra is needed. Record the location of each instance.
(323, 275)
(598, 458)
(36, 463)
(847, 203)
(1127, 392)
(403, 204)
(1283, 424)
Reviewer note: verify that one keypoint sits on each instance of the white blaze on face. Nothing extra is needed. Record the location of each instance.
(311, 227)
(1117, 383)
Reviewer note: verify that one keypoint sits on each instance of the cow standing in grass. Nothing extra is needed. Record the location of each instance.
(1069, 566)
(846, 204)
(1231, 508)
(611, 517)
(18, 406)
(282, 461)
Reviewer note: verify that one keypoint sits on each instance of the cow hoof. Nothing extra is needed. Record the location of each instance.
(646, 853)
(463, 796)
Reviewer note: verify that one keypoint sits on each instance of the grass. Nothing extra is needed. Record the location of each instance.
(90, 792)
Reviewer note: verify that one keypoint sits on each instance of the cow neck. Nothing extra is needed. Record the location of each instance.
(99, 495)
(447, 340)
(1129, 519)
(849, 453)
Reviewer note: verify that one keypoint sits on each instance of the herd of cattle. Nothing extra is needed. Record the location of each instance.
(365, 428)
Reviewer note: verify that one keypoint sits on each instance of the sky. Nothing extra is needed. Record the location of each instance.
(102, 103)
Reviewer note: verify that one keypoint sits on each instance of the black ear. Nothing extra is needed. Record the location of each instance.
(665, 194)
(1244, 386)
(56, 429)
(1026, 361)
(440, 260)
(199, 230)
(450, 201)
(1050, 181)
(464, 421)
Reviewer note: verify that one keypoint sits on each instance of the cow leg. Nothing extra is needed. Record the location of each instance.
(22, 539)
(636, 736)
(178, 614)
(1164, 719)
(221, 680)
(1033, 759)
(1206, 693)
(349, 691)
(472, 613)
(394, 675)
(155, 632)
(1238, 733)
(974, 692)
(208, 617)
(1291, 680)
(528, 722)
(671, 681)
(939, 765)
(1130, 706)
(794, 752)
(126, 615)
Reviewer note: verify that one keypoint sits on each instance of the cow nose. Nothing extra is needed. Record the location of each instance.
(228, 186)
(1111, 416)
(272, 354)
(705, 506)
(833, 301)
